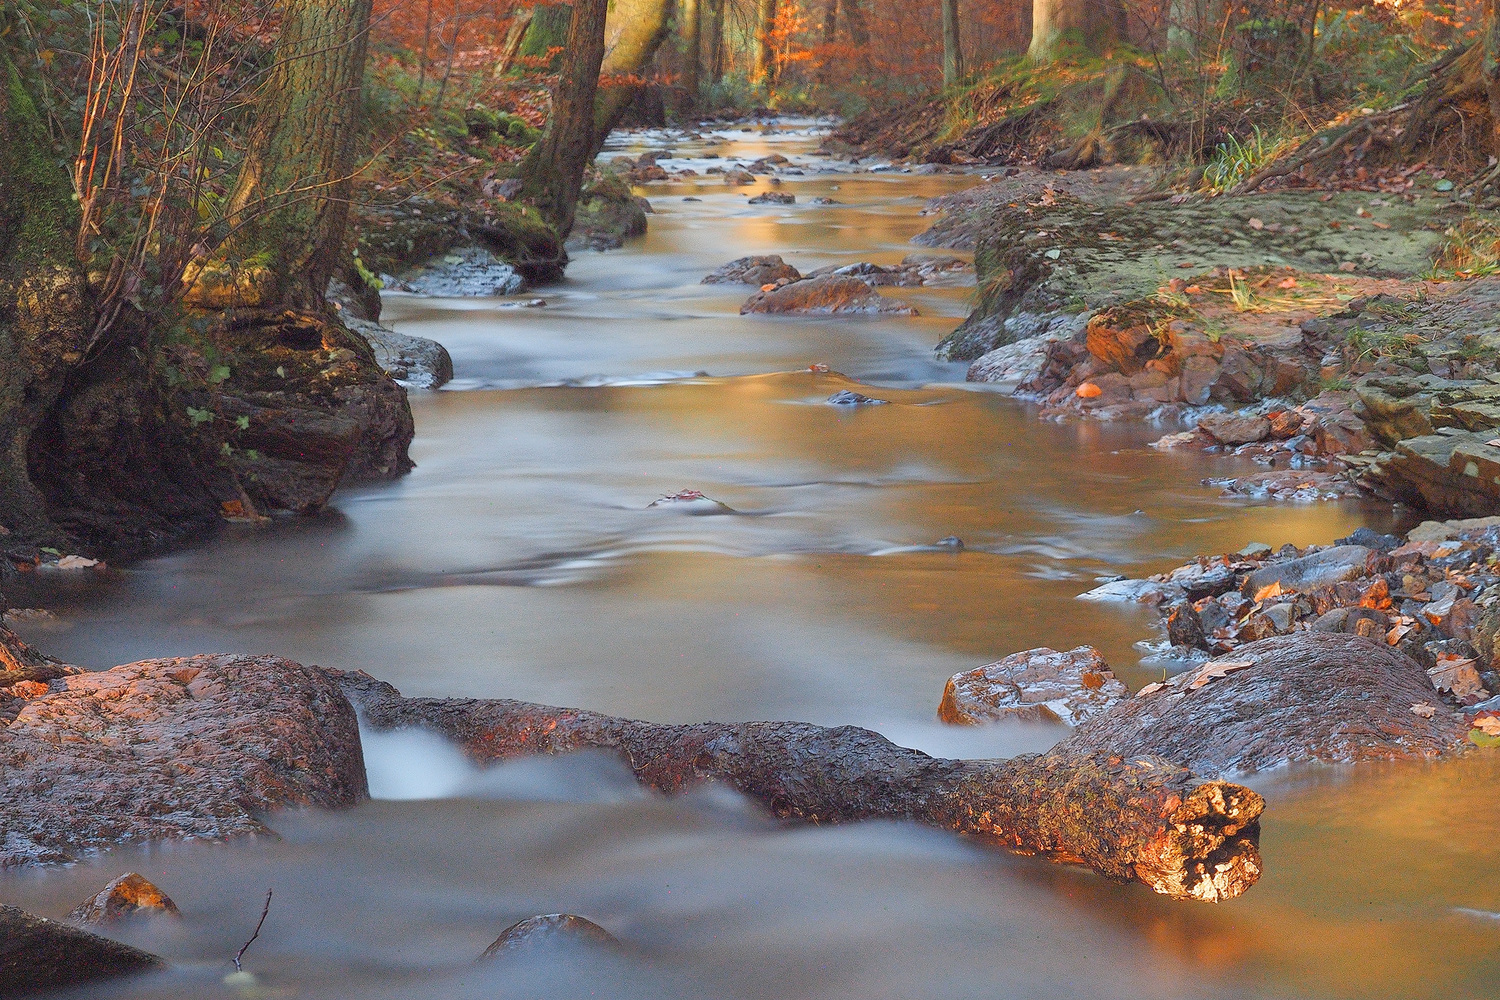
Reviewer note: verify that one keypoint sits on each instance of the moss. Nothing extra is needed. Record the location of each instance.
(39, 215)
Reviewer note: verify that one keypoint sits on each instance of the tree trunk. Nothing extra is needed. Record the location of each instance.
(716, 41)
(763, 73)
(830, 31)
(691, 59)
(291, 203)
(633, 33)
(1095, 23)
(520, 21)
(45, 313)
(1140, 820)
(953, 50)
(552, 173)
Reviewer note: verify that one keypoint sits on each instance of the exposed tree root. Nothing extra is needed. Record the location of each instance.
(1142, 819)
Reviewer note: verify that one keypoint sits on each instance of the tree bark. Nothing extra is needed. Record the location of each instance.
(953, 50)
(633, 33)
(1096, 23)
(716, 41)
(1142, 820)
(520, 22)
(45, 312)
(291, 202)
(763, 73)
(552, 173)
(692, 20)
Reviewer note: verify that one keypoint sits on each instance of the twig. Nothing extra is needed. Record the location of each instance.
(241, 953)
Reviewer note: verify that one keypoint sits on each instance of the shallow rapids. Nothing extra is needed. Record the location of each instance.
(522, 559)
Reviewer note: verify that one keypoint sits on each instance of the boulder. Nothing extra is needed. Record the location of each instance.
(39, 955)
(1140, 591)
(467, 272)
(548, 929)
(413, 361)
(773, 198)
(1331, 565)
(1309, 696)
(848, 397)
(826, 296)
(756, 271)
(130, 895)
(1038, 685)
(1236, 428)
(189, 748)
(1449, 473)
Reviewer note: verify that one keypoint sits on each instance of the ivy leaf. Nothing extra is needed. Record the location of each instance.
(218, 374)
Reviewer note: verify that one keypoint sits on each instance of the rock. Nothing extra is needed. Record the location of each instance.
(412, 361)
(608, 214)
(39, 955)
(1140, 591)
(1368, 622)
(1442, 531)
(1332, 565)
(1450, 473)
(1038, 685)
(756, 271)
(692, 502)
(821, 200)
(195, 747)
(773, 198)
(1020, 362)
(1309, 696)
(1236, 428)
(130, 895)
(827, 295)
(847, 397)
(1256, 550)
(549, 929)
(464, 273)
(738, 177)
(1184, 627)
(1372, 539)
(1204, 578)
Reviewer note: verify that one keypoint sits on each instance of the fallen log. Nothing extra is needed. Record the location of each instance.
(1139, 819)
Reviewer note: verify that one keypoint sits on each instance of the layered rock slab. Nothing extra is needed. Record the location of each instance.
(187, 748)
(1037, 685)
(39, 955)
(1311, 697)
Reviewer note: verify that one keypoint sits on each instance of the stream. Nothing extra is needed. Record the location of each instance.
(522, 559)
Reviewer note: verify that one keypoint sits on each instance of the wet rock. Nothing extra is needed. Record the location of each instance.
(692, 502)
(608, 214)
(1309, 696)
(131, 895)
(847, 397)
(1331, 565)
(188, 748)
(548, 929)
(1208, 577)
(763, 270)
(1185, 627)
(1256, 550)
(1139, 591)
(1368, 622)
(821, 200)
(39, 955)
(1442, 531)
(773, 198)
(1236, 428)
(1372, 539)
(1021, 362)
(464, 273)
(738, 177)
(412, 361)
(1038, 685)
(827, 295)
(1452, 473)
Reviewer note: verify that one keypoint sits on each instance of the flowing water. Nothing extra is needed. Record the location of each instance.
(522, 559)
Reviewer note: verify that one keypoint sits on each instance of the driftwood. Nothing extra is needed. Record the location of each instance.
(1142, 819)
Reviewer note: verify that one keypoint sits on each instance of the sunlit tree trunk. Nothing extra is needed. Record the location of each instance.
(520, 22)
(634, 32)
(691, 58)
(830, 31)
(291, 203)
(953, 50)
(552, 173)
(1097, 24)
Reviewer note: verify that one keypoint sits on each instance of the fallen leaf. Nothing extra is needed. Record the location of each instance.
(817, 367)
(1423, 710)
(1256, 224)
(1347, 265)
(768, 288)
(1214, 669)
(1089, 390)
(1363, 213)
(1381, 225)
(1287, 283)
(1487, 723)
(1270, 590)
(1193, 289)
(76, 562)
(1150, 689)
(1186, 264)
(1492, 443)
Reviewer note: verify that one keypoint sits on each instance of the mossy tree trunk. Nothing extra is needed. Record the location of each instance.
(715, 41)
(290, 206)
(45, 313)
(1097, 24)
(552, 173)
(763, 73)
(692, 20)
(953, 50)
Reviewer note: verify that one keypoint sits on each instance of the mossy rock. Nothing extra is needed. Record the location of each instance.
(608, 213)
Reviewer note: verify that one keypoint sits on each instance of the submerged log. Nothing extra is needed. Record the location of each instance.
(1140, 819)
